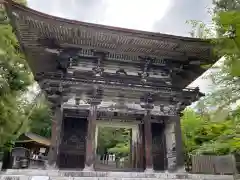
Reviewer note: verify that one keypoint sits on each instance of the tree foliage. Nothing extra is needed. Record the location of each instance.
(40, 118)
(17, 114)
(227, 20)
(202, 135)
(15, 74)
(14, 80)
(224, 33)
(114, 140)
(11, 119)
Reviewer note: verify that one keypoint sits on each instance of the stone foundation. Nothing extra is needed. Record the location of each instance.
(94, 175)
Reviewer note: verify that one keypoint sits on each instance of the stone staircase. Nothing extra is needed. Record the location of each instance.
(95, 175)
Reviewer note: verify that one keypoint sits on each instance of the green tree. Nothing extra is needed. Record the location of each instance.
(225, 37)
(41, 121)
(15, 74)
(227, 18)
(226, 5)
(113, 140)
(214, 128)
(202, 135)
(15, 78)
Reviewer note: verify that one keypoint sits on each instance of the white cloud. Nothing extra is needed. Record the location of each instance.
(135, 14)
(174, 21)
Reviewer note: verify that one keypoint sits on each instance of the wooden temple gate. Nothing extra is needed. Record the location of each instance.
(90, 72)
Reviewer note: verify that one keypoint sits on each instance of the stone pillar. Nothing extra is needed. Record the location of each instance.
(55, 138)
(148, 141)
(134, 147)
(170, 145)
(90, 140)
(96, 139)
(174, 144)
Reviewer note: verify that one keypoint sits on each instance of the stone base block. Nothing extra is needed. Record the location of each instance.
(88, 168)
(149, 170)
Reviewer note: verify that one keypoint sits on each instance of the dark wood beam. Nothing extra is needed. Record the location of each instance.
(82, 84)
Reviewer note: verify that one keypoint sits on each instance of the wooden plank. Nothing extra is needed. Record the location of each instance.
(203, 164)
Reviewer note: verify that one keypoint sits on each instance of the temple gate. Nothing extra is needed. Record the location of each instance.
(92, 72)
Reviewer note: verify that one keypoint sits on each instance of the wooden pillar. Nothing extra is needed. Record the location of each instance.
(148, 141)
(141, 147)
(179, 145)
(131, 155)
(55, 135)
(90, 141)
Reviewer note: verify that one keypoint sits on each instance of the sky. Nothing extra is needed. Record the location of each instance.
(164, 16)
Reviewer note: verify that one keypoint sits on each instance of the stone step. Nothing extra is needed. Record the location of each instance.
(22, 177)
(80, 178)
(81, 175)
(111, 167)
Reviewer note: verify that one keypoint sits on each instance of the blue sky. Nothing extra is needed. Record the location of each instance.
(165, 16)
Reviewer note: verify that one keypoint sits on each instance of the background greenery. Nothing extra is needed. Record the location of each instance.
(114, 140)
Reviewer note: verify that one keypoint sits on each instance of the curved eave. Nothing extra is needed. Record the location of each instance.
(133, 32)
(34, 138)
(38, 139)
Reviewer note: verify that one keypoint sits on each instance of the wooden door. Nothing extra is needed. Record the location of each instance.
(73, 143)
